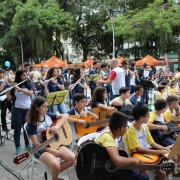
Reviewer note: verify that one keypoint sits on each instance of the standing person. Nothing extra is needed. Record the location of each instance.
(78, 82)
(54, 83)
(38, 120)
(3, 86)
(21, 97)
(42, 78)
(116, 78)
(128, 74)
(26, 67)
(69, 65)
(168, 72)
(93, 70)
(147, 74)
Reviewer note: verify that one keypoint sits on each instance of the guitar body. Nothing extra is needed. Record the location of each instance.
(64, 132)
(102, 114)
(80, 129)
(146, 158)
(94, 163)
(160, 134)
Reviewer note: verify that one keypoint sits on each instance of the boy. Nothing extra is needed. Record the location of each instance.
(172, 102)
(123, 99)
(157, 115)
(161, 94)
(79, 109)
(138, 137)
(137, 96)
(118, 127)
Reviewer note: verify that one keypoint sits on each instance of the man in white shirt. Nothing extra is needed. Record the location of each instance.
(116, 78)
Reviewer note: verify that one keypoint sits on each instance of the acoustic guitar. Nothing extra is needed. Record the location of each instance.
(160, 134)
(102, 114)
(22, 157)
(91, 125)
(64, 132)
(62, 137)
(175, 119)
(94, 163)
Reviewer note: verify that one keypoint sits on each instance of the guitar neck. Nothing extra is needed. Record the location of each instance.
(174, 129)
(97, 122)
(43, 145)
(142, 167)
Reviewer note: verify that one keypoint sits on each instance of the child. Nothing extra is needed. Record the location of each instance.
(99, 98)
(79, 109)
(118, 127)
(172, 102)
(173, 88)
(157, 115)
(123, 99)
(137, 96)
(161, 94)
(138, 137)
(38, 120)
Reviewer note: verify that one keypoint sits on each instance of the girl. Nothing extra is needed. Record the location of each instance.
(38, 120)
(78, 83)
(54, 83)
(99, 99)
(21, 96)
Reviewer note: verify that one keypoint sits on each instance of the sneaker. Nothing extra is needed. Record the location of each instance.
(28, 147)
(18, 150)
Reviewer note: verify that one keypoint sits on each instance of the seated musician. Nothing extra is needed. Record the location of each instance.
(172, 102)
(118, 126)
(79, 109)
(157, 115)
(167, 89)
(173, 88)
(137, 96)
(138, 138)
(38, 120)
(161, 94)
(99, 98)
(123, 99)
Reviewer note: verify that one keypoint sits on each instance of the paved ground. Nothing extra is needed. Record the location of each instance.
(11, 171)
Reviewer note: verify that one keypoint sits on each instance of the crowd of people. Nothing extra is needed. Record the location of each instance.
(122, 88)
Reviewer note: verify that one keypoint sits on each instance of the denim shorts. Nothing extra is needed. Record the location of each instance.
(38, 154)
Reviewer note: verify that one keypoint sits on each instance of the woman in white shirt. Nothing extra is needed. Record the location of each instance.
(21, 97)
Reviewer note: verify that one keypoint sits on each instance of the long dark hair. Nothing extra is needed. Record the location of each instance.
(97, 96)
(18, 79)
(50, 72)
(76, 74)
(33, 114)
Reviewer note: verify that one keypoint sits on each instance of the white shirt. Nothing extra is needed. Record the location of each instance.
(119, 80)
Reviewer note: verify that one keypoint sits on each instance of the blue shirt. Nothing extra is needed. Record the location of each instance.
(53, 87)
(134, 99)
(41, 126)
(92, 84)
(78, 88)
(6, 85)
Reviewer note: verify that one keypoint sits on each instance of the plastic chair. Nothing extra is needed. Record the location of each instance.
(91, 136)
(35, 160)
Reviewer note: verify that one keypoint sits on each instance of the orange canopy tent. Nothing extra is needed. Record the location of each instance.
(52, 62)
(88, 62)
(150, 61)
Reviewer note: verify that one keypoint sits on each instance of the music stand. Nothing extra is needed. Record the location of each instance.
(147, 84)
(56, 98)
(93, 77)
(175, 149)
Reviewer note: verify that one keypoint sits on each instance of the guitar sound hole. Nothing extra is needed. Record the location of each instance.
(110, 167)
(56, 137)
